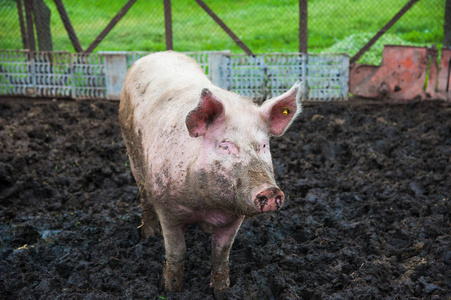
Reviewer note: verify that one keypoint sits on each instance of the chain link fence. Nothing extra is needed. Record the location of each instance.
(81, 49)
(341, 26)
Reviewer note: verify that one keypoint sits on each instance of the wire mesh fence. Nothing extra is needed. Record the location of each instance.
(73, 39)
(264, 26)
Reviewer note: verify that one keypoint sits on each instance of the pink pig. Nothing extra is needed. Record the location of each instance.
(199, 154)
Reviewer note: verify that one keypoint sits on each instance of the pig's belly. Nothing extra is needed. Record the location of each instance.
(211, 216)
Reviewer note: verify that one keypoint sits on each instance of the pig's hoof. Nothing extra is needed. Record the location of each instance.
(221, 283)
(221, 294)
(173, 277)
(220, 290)
(173, 285)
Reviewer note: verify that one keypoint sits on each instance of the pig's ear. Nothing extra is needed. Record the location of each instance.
(281, 111)
(206, 113)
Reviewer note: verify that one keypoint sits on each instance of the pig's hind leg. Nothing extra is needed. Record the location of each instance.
(150, 224)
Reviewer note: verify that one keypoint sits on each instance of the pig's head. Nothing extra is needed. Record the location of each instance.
(234, 169)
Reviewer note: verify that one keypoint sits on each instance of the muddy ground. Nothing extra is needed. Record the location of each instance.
(367, 216)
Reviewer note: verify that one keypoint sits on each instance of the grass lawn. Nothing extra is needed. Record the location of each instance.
(264, 26)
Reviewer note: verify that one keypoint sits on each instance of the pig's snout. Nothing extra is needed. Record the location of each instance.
(270, 199)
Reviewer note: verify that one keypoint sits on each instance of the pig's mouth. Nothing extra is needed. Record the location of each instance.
(270, 199)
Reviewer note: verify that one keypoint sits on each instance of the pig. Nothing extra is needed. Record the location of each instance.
(199, 154)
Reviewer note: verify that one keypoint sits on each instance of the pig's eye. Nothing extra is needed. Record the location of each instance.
(264, 147)
(224, 147)
(227, 147)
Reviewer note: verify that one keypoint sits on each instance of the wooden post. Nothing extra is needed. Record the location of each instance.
(303, 40)
(168, 24)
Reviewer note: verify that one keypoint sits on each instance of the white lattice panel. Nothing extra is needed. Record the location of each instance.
(244, 74)
(88, 76)
(265, 76)
(327, 76)
(283, 70)
(202, 58)
(15, 73)
(100, 75)
(134, 56)
(51, 74)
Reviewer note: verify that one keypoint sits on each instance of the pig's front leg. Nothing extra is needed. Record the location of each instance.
(174, 243)
(221, 241)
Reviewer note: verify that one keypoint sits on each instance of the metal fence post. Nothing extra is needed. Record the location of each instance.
(216, 69)
(115, 71)
(68, 25)
(383, 30)
(31, 88)
(344, 78)
(447, 25)
(41, 14)
(234, 37)
(110, 25)
(303, 41)
(72, 75)
(168, 24)
(30, 31)
(23, 30)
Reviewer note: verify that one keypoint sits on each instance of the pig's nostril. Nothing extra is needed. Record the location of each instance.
(263, 201)
(278, 201)
(269, 200)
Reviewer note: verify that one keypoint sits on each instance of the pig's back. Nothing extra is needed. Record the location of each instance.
(159, 91)
(163, 73)
(164, 85)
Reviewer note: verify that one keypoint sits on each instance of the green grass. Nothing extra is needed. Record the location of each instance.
(264, 26)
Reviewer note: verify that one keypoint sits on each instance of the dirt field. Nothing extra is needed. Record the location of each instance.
(367, 216)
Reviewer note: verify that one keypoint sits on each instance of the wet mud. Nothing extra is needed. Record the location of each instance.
(367, 212)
